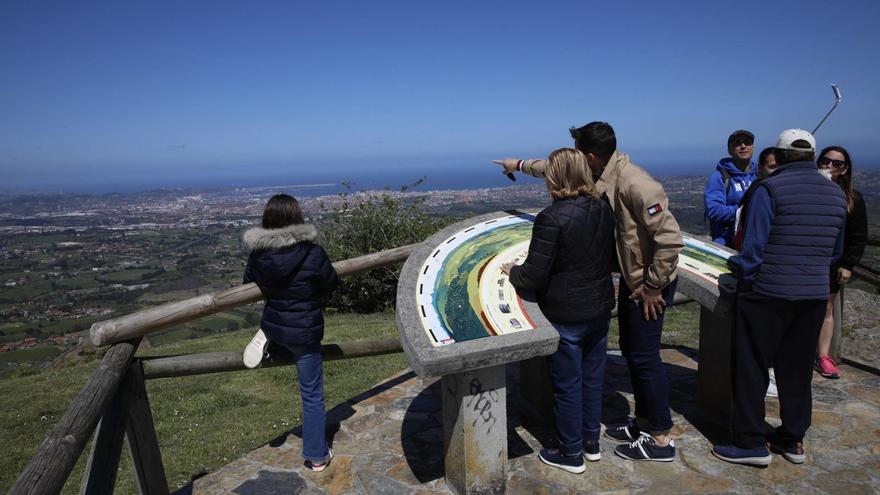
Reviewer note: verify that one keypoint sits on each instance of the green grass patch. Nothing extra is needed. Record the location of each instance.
(37, 354)
(27, 291)
(70, 325)
(203, 422)
(84, 281)
(128, 275)
(12, 337)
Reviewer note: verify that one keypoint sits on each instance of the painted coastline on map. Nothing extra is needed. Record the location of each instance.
(456, 295)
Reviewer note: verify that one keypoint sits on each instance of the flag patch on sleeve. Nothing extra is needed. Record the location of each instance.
(655, 209)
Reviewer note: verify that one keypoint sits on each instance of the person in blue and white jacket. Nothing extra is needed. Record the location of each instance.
(728, 184)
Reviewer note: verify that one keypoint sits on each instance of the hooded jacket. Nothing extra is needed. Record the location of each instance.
(648, 238)
(721, 201)
(293, 273)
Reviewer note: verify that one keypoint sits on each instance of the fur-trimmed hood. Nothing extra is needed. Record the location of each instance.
(258, 238)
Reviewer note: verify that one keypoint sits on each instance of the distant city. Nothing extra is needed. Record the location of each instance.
(69, 260)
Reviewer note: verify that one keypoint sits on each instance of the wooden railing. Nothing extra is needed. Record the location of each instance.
(114, 398)
(115, 394)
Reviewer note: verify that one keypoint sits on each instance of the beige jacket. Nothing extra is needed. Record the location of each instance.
(648, 237)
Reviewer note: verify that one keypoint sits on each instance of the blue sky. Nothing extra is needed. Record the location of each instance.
(162, 91)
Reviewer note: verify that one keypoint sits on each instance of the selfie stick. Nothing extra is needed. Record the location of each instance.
(837, 98)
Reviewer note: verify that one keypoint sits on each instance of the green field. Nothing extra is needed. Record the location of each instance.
(203, 422)
(38, 353)
(128, 275)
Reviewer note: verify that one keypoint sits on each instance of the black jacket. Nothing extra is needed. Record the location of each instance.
(856, 235)
(570, 260)
(293, 273)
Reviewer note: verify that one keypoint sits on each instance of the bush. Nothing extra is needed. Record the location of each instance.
(364, 223)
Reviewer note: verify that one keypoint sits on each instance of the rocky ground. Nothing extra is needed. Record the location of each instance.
(389, 440)
(861, 324)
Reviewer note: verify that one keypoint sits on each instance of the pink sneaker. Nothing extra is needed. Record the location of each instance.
(827, 367)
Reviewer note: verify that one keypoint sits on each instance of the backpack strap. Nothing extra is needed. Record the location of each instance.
(725, 176)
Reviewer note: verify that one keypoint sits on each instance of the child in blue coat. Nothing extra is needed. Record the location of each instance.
(293, 273)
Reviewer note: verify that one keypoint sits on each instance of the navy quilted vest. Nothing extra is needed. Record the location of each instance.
(810, 212)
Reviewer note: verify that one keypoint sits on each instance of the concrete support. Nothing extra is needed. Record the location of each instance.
(475, 431)
(536, 392)
(714, 381)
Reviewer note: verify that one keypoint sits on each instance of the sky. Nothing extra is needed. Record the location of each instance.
(103, 94)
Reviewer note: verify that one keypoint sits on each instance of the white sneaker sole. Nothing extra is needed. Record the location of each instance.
(593, 457)
(660, 459)
(570, 469)
(322, 467)
(749, 461)
(792, 458)
(253, 352)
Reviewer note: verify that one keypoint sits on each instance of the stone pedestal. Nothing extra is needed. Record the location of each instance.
(714, 381)
(475, 431)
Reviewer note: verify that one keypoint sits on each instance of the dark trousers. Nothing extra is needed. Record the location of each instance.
(640, 345)
(577, 370)
(783, 334)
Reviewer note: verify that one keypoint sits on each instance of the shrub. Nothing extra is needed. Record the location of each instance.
(363, 223)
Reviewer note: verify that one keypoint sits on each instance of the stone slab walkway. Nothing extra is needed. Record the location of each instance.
(389, 440)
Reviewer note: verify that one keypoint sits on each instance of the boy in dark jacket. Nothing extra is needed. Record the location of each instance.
(293, 273)
(569, 269)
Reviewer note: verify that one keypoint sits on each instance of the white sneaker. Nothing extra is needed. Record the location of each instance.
(771, 389)
(254, 351)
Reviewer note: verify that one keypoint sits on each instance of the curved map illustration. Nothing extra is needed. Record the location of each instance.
(462, 293)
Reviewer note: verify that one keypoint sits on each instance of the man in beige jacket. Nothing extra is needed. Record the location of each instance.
(648, 243)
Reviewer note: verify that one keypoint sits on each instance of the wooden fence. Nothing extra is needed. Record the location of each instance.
(114, 398)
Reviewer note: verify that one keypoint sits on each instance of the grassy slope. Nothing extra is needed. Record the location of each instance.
(204, 422)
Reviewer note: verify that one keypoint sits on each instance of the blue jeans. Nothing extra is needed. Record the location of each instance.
(577, 370)
(640, 345)
(310, 372)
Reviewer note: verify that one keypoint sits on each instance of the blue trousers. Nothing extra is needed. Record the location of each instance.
(640, 345)
(309, 370)
(577, 370)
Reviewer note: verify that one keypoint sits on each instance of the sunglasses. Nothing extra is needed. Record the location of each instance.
(829, 161)
(740, 142)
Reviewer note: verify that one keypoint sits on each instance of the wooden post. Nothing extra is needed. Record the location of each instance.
(475, 431)
(100, 473)
(143, 445)
(50, 467)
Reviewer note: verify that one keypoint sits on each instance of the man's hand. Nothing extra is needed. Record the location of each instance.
(509, 164)
(843, 275)
(652, 301)
(506, 268)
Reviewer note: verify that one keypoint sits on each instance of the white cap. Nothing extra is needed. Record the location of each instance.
(797, 140)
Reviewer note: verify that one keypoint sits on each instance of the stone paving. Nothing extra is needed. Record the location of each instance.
(389, 440)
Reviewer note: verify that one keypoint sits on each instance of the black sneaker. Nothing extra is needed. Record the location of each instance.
(571, 463)
(592, 452)
(624, 433)
(645, 448)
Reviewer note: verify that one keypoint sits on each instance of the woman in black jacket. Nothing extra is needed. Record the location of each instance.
(568, 267)
(835, 164)
(293, 273)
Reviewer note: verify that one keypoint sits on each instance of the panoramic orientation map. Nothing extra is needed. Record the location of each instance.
(464, 295)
